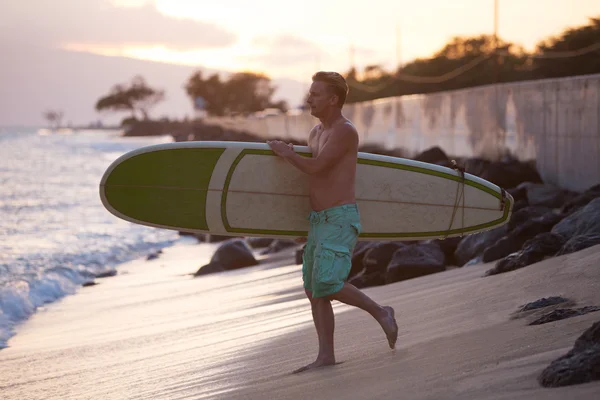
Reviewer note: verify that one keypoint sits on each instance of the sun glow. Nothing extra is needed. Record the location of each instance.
(383, 32)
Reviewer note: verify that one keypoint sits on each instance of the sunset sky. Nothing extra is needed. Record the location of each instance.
(283, 39)
(54, 52)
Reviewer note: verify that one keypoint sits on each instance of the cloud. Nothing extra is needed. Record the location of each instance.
(284, 50)
(102, 23)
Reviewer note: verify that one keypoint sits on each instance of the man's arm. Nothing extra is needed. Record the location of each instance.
(339, 142)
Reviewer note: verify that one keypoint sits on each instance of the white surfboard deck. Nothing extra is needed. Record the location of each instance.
(244, 189)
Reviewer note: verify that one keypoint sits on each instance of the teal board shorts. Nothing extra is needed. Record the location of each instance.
(327, 257)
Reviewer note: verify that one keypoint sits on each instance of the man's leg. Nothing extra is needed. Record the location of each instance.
(324, 320)
(350, 295)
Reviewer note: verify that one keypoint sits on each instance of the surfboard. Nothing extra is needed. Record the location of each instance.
(244, 189)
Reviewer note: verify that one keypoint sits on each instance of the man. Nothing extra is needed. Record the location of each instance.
(335, 219)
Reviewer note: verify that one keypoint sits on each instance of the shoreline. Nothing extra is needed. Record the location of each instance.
(155, 332)
(457, 340)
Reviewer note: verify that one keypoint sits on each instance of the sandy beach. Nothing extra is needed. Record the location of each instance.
(154, 332)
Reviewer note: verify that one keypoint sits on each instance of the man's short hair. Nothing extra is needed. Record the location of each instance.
(335, 82)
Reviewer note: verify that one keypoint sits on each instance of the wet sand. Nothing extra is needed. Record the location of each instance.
(153, 332)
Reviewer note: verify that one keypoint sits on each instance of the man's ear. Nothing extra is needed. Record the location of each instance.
(334, 100)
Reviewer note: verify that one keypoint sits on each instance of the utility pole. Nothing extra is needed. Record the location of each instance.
(499, 136)
(398, 62)
(495, 25)
(318, 61)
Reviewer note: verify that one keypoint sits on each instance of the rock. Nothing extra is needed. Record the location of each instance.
(545, 195)
(232, 254)
(519, 204)
(358, 255)
(106, 274)
(508, 173)
(86, 284)
(375, 261)
(580, 365)
(415, 260)
(525, 214)
(564, 313)
(585, 221)
(517, 238)
(210, 268)
(474, 245)
(543, 302)
(377, 149)
(259, 242)
(154, 255)
(278, 245)
(579, 242)
(535, 309)
(300, 256)
(448, 246)
(518, 193)
(581, 200)
(544, 245)
(433, 155)
(378, 257)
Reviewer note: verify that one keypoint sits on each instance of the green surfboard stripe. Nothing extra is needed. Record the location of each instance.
(147, 186)
(156, 205)
(426, 171)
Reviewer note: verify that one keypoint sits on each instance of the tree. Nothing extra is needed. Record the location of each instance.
(462, 62)
(243, 93)
(138, 98)
(558, 56)
(54, 118)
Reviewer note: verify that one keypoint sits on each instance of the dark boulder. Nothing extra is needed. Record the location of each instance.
(544, 245)
(434, 155)
(474, 245)
(232, 254)
(581, 200)
(564, 313)
(375, 261)
(415, 260)
(580, 365)
(358, 256)
(516, 239)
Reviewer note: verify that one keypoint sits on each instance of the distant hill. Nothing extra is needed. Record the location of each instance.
(33, 80)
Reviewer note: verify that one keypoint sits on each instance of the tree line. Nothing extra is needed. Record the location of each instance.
(463, 62)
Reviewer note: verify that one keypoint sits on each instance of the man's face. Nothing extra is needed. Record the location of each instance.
(320, 99)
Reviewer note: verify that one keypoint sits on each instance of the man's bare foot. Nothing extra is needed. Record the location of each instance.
(390, 327)
(324, 362)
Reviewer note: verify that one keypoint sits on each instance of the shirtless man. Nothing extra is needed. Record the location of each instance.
(335, 219)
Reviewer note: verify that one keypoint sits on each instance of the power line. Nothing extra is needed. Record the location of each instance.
(470, 65)
(423, 79)
(560, 54)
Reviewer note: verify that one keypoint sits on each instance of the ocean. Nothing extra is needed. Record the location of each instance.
(55, 234)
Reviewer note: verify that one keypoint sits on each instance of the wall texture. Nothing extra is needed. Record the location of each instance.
(555, 121)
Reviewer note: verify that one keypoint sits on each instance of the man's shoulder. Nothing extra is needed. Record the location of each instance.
(346, 130)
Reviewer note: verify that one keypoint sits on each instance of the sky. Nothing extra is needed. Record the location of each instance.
(285, 40)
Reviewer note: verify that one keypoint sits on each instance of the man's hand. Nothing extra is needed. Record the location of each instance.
(280, 148)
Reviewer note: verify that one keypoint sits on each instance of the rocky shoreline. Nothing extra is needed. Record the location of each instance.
(547, 221)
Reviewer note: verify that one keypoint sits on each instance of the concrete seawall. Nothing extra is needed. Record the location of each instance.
(554, 121)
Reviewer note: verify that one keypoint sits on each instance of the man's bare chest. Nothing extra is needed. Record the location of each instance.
(319, 141)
